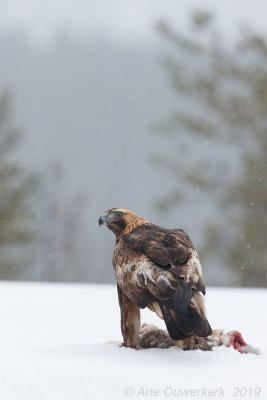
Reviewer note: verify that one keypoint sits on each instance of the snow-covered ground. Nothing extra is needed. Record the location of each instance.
(53, 346)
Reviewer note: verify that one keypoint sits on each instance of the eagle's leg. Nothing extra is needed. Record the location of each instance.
(130, 320)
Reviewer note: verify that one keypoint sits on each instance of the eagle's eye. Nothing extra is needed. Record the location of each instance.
(118, 214)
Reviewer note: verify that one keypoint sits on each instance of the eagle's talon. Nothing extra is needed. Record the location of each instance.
(135, 347)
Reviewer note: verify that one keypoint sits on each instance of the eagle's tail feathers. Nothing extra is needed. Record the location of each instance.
(171, 324)
(182, 296)
(182, 325)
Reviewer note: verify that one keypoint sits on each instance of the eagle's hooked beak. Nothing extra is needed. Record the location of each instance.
(102, 220)
(107, 218)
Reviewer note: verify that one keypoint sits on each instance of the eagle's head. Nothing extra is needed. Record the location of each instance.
(120, 220)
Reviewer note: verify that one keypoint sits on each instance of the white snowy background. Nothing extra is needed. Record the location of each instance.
(54, 346)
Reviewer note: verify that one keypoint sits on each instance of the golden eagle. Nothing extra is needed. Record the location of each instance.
(156, 268)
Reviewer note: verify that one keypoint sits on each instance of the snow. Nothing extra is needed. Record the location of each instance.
(53, 344)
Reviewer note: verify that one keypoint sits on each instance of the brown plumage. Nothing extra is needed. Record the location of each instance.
(156, 268)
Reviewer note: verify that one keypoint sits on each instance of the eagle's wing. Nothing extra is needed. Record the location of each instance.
(169, 249)
(166, 269)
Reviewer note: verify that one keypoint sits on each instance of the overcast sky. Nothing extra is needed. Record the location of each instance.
(123, 19)
(88, 106)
